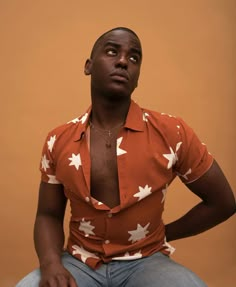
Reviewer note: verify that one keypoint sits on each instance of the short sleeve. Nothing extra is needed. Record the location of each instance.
(193, 157)
(47, 164)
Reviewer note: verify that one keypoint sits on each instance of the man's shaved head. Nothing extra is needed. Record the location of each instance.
(104, 34)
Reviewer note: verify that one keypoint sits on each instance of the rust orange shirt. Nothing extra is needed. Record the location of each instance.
(152, 149)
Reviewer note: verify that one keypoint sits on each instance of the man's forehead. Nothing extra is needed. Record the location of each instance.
(121, 37)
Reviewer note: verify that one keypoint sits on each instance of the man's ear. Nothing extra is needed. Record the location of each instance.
(87, 67)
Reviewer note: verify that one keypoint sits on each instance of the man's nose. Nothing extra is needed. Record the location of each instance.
(122, 62)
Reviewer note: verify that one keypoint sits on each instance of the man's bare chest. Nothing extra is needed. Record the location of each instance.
(104, 173)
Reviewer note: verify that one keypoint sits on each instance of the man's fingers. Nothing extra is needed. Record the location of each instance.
(72, 282)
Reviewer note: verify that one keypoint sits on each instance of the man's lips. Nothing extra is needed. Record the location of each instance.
(120, 76)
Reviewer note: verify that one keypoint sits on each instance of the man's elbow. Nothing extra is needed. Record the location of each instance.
(228, 209)
(232, 208)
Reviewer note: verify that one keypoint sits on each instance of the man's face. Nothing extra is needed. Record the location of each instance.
(115, 64)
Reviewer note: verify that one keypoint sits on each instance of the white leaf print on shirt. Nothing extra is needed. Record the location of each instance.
(74, 121)
(145, 115)
(143, 192)
(83, 118)
(86, 227)
(44, 162)
(75, 160)
(119, 151)
(51, 142)
(185, 176)
(52, 179)
(172, 156)
(164, 191)
(169, 248)
(164, 114)
(139, 233)
(127, 256)
(77, 120)
(83, 253)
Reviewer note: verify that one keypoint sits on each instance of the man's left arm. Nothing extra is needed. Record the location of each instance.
(217, 205)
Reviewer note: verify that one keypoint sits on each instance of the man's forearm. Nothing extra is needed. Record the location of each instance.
(199, 219)
(48, 239)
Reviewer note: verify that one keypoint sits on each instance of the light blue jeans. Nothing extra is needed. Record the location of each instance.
(157, 270)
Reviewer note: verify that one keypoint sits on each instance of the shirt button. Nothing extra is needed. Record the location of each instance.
(87, 199)
(109, 215)
(107, 241)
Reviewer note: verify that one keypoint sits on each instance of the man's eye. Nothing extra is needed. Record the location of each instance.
(111, 52)
(134, 59)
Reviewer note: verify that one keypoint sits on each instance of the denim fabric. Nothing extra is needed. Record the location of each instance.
(157, 270)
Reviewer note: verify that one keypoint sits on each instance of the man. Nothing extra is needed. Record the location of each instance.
(114, 164)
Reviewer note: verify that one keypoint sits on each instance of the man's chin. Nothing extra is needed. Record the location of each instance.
(118, 95)
(120, 91)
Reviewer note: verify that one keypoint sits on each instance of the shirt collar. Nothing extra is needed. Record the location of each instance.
(82, 123)
(134, 120)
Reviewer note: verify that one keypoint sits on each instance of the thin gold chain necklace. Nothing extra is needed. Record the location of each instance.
(106, 135)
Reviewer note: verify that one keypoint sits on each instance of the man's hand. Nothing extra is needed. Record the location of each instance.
(56, 275)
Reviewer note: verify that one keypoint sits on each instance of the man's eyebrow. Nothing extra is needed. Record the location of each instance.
(114, 44)
(111, 43)
(137, 51)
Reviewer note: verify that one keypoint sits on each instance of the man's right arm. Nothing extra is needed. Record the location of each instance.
(49, 235)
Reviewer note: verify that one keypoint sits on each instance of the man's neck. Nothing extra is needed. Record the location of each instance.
(109, 113)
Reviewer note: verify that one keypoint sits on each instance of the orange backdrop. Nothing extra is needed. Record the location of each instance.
(189, 70)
